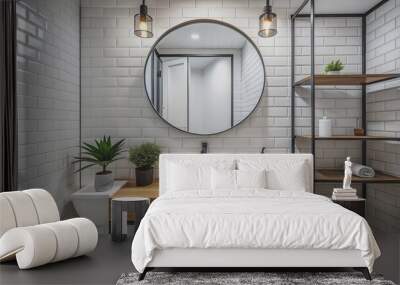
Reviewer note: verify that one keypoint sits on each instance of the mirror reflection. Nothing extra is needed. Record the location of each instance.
(204, 77)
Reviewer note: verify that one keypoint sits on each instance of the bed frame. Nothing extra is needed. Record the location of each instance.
(255, 259)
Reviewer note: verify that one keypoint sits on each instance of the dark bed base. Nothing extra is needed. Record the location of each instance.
(364, 270)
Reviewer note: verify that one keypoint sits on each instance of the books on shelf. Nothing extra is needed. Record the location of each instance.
(344, 194)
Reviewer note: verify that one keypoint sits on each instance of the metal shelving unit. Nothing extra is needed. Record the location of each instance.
(364, 79)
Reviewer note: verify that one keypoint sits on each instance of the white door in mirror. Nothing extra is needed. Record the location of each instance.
(175, 92)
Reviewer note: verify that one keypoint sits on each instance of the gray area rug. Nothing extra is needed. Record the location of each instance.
(233, 278)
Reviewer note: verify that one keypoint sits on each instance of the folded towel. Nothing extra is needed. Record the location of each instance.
(362, 170)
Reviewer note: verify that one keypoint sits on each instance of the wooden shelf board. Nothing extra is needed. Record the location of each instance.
(347, 79)
(383, 138)
(336, 175)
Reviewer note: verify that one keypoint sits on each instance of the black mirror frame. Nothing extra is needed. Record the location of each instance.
(191, 22)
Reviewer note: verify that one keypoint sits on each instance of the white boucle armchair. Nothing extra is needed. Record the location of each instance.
(31, 230)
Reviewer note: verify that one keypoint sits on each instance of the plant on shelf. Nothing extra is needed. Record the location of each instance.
(334, 67)
(101, 153)
(144, 157)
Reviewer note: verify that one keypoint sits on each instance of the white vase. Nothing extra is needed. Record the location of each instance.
(325, 127)
(338, 72)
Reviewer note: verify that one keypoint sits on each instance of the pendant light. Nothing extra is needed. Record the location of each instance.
(267, 22)
(143, 23)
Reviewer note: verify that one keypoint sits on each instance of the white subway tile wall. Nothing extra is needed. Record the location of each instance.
(48, 95)
(383, 43)
(383, 113)
(383, 107)
(114, 101)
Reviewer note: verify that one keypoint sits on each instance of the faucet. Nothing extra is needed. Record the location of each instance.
(204, 147)
(263, 149)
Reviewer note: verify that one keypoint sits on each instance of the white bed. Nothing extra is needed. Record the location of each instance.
(197, 224)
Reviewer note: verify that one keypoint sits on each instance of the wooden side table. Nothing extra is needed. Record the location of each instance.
(120, 207)
(356, 205)
(130, 190)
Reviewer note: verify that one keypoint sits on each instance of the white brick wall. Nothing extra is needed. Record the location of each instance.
(383, 114)
(113, 97)
(383, 42)
(48, 94)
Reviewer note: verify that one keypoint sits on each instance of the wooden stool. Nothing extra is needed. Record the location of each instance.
(119, 215)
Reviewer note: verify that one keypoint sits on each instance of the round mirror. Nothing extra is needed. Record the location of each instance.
(204, 76)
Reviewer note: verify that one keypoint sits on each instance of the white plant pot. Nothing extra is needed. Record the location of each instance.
(334, 72)
(103, 182)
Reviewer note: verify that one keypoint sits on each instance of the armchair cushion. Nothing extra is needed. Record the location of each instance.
(40, 244)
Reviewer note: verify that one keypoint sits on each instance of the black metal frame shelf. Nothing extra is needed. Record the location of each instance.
(313, 80)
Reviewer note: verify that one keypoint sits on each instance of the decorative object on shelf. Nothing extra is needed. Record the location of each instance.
(143, 23)
(334, 67)
(359, 131)
(119, 215)
(362, 170)
(345, 193)
(325, 127)
(144, 157)
(347, 174)
(101, 153)
(268, 22)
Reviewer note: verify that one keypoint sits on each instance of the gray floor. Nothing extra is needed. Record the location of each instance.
(111, 259)
(103, 266)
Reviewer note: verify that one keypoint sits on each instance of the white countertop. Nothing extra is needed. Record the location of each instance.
(89, 192)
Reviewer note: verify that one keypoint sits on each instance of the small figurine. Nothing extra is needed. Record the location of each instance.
(347, 174)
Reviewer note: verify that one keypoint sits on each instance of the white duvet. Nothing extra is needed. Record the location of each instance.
(250, 219)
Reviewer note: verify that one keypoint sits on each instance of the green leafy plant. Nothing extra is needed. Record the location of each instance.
(334, 66)
(145, 155)
(101, 153)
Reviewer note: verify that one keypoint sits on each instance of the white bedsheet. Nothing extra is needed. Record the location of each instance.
(250, 219)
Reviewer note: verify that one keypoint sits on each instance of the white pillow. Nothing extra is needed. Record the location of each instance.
(282, 174)
(182, 177)
(223, 179)
(288, 175)
(251, 178)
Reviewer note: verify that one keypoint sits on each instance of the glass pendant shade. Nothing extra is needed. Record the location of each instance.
(268, 26)
(143, 23)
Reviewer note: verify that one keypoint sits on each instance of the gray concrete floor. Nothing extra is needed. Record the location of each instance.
(102, 266)
(110, 259)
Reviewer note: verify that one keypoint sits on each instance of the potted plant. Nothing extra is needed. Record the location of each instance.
(144, 158)
(101, 153)
(334, 67)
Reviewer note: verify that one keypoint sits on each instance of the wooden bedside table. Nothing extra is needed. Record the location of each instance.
(356, 205)
(130, 190)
